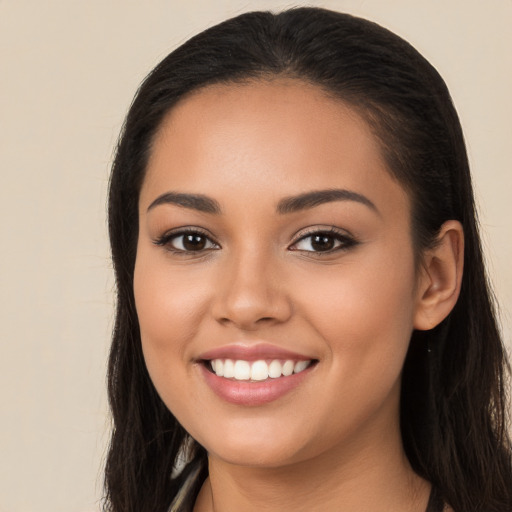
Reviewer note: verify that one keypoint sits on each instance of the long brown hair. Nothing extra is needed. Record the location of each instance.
(453, 410)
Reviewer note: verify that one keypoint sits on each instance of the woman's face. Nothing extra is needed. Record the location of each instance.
(273, 237)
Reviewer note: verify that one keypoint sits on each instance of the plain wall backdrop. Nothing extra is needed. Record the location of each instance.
(68, 72)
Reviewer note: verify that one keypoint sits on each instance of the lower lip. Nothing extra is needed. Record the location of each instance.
(253, 393)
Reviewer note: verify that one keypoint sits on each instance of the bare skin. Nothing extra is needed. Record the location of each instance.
(256, 275)
(335, 487)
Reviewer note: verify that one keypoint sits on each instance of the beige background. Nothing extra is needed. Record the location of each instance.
(68, 70)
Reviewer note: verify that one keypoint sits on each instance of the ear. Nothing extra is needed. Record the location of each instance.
(440, 277)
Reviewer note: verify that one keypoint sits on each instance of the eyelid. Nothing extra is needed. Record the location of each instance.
(321, 228)
(165, 239)
(345, 237)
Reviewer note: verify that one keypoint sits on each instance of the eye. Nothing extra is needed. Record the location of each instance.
(323, 241)
(189, 241)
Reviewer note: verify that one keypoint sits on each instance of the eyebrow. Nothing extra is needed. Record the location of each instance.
(194, 201)
(308, 200)
(290, 204)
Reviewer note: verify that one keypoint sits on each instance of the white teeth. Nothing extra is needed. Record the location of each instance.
(275, 369)
(229, 369)
(257, 370)
(299, 366)
(219, 367)
(242, 370)
(288, 368)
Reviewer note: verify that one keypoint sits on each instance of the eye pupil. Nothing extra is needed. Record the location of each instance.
(322, 242)
(194, 242)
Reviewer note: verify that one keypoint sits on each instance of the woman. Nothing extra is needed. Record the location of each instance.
(303, 317)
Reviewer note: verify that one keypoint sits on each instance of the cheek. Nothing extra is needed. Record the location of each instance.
(365, 312)
(365, 318)
(167, 302)
(169, 308)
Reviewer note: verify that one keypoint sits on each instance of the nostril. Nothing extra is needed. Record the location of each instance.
(249, 308)
(248, 324)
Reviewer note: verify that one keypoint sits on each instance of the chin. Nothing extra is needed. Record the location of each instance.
(255, 456)
(260, 445)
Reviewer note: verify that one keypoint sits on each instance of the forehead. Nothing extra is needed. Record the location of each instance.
(276, 137)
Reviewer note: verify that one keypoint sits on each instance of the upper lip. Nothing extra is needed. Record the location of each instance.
(252, 352)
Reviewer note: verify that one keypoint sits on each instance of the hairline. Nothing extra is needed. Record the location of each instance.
(367, 110)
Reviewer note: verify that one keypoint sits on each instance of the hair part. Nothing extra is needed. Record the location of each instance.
(453, 405)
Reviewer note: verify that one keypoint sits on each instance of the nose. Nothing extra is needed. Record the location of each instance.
(251, 294)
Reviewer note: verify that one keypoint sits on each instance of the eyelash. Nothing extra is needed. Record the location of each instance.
(166, 240)
(345, 241)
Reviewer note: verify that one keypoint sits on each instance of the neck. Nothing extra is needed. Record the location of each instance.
(376, 478)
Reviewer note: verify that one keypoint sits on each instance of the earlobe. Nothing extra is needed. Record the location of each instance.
(441, 276)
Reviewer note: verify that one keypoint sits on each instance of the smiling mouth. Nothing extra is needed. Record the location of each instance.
(256, 371)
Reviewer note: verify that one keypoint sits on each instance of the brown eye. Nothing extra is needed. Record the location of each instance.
(193, 242)
(187, 242)
(323, 241)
